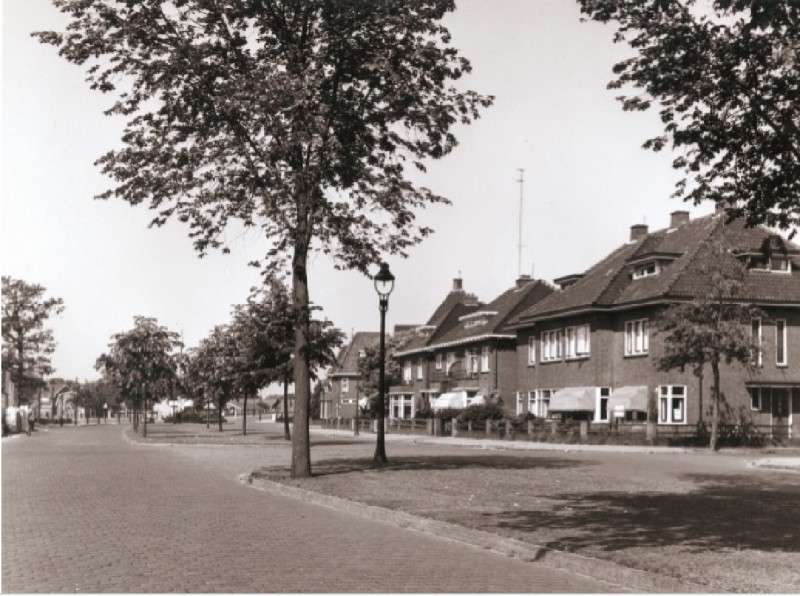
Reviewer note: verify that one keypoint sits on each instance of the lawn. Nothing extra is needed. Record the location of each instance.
(703, 518)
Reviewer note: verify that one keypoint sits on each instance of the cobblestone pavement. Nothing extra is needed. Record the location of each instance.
(84, 510)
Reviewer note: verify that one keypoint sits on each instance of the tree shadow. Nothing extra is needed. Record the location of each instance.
(330, 467)
(734, 511)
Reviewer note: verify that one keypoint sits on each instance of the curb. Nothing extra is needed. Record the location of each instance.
(625, 577)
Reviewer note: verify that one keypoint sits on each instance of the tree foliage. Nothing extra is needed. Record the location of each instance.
(141, 362)
(27, 344)
(297, 117)
(725, 75)
(713, 329)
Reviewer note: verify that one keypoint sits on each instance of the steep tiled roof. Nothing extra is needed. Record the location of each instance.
(685, 253)
(347, 361)
(455, 296)
(464, 322)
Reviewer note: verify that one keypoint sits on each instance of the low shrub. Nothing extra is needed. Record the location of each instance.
(480, 413)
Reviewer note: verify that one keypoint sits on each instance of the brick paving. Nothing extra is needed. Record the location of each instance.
(85, 511)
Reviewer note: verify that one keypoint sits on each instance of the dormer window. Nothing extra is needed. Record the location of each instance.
(646, 269)
(760, 262)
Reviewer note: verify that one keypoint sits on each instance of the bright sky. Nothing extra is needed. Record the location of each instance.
(587, 180)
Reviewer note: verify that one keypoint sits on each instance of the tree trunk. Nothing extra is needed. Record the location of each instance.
(286, 434)
(301, 448)
(219, 411)
(144, 413)
(208, 413)
(714, 406)
(244, 418)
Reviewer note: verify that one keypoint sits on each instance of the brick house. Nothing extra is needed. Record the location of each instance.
(344, 378)
(466, 352)
(589, 351)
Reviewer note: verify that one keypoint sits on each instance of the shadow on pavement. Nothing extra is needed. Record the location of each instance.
(443, 462)
(735, 511)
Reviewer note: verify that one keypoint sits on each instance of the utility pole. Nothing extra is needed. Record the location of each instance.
(521, 181)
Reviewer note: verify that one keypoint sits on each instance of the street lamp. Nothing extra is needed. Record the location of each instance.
(384, 284)
(105, 413)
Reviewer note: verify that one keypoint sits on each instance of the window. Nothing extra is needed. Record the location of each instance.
(539, 402)
(576, 343)
(520, 398)
(439, 361)
(637, 340)
(755, 335)
(531, 350)
(601, 409)
(755, 398)
(345, 385)
(485, 359)
(472, 361)
(419, 371)
(551, 345)
(406, 372)
(646, 270)
(451, 360)
(672, 404)
(780, 342)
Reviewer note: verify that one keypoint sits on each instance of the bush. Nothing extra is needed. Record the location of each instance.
(447, 413)
(198, 416)
(480, 413)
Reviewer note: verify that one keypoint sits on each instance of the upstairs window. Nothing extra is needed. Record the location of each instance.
(439, 362)
(485, 359)
(531, 350)
(755, 336)
(777, 263)
(451, 360)
(576, 341)
(419, 372)
(407, 372)
(637, 340)
(646, 270)
(551, 345)
(780, 343)
(472, 361)
(345, 385)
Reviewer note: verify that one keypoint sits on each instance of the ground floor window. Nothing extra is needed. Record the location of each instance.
(601, 407)
(520, 403)
(672, 404)
(539, 402)
(401, 406)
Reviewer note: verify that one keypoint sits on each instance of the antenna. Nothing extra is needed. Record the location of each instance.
(519, 245)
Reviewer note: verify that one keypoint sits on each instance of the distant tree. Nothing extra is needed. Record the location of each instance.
(713, 329)
(27, 344)
(141, 362)
(217, 365)
(725, 76)
(369, 368)
(298, 117)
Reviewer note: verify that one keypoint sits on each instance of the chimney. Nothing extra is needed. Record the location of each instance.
(522, 280)
(457, 285)
(678, 218)
(638, 232)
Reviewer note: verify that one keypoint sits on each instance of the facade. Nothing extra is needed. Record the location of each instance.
(344, 378)
(466, 354)
(589, 351)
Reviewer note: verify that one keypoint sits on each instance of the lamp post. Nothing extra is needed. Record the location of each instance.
(105, 413)
(384, 284)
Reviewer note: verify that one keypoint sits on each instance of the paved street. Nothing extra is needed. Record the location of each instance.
(86, 511)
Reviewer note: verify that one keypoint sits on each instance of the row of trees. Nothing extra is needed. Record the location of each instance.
(234, 360)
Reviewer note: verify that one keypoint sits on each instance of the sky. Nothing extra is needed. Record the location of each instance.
(586, 181)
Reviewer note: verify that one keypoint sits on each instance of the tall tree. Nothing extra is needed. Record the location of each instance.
(713, 329)
(298, 117)
(141, 362)
(27, 344)
(725, 75)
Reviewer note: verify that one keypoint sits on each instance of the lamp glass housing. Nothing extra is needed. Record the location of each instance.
(384, 281)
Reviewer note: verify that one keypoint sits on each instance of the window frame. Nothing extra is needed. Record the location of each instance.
(551, 343)
(637, 331)
(420, 371)
(485, 364)
(670, 398)
(439, 361)
(408, 374)
(531, 350)
(344, 385)
(755, 324)
(572, 337)
(781, 345)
